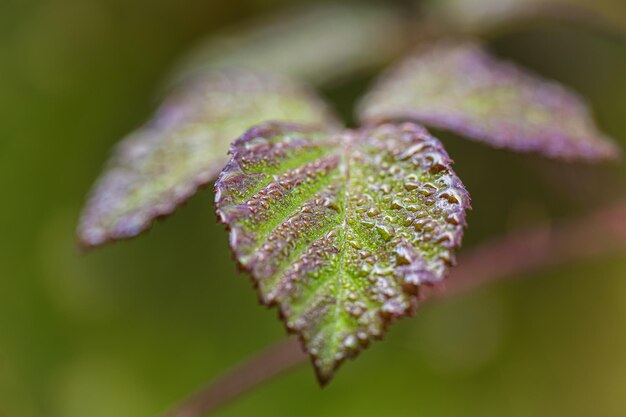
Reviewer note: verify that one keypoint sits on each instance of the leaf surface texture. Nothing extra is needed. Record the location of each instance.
(185, 146)
(341, 229)
(458, 86)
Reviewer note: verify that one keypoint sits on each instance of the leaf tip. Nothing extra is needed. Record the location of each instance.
(323, 376)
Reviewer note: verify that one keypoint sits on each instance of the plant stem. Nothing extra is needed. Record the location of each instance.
(269, 363)
(600, 233)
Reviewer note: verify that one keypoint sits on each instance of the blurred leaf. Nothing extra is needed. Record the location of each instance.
(460, 87)
(317, 43)
(184, 147)
(485, 16)
(340, 230)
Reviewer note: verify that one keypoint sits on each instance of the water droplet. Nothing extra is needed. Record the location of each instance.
(427, 189)
(434, 161)
(418, 225)
(391, 308)
(350, 342)
(454, 218)
(445, 238)
(452, 195)
(396, 204)
(386, 232)
(412, 150)
(411, 185)
(331, 204)
(447, 257)
(404, 255)
(354, 243)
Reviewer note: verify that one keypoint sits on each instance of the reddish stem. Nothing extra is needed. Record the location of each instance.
(599, 233)
(269, 363)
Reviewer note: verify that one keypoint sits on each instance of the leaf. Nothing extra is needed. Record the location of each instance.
(319, 43)
(460, 87)
(185, 146)
(341, 230)
(488, 17)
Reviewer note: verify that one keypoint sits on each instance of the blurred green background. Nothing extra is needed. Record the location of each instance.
(129, 330)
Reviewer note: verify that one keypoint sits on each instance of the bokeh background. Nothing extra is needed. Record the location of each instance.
(129, 330)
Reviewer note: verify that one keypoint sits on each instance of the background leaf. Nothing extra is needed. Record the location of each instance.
(184, 147)
(460, 87)
(485, 17)
(319, 43)
(341, 229)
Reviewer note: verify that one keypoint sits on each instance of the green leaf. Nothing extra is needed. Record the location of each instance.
(340, 230)
(460, 87)
(185, 146)
(319, 43)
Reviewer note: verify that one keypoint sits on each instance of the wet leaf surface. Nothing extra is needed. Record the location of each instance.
(185, 146)
(460, 87)
(340, 230)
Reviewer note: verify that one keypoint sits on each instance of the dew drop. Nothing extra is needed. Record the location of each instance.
(454, 218)
(396, 204)
(366, 268)
(411, 185)
(354, 243)
(452, 195)
(331, 204)
(373, 212)
(403, 255)
(350, 342)
(385, 232)
(412, 150)
(427, 189)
